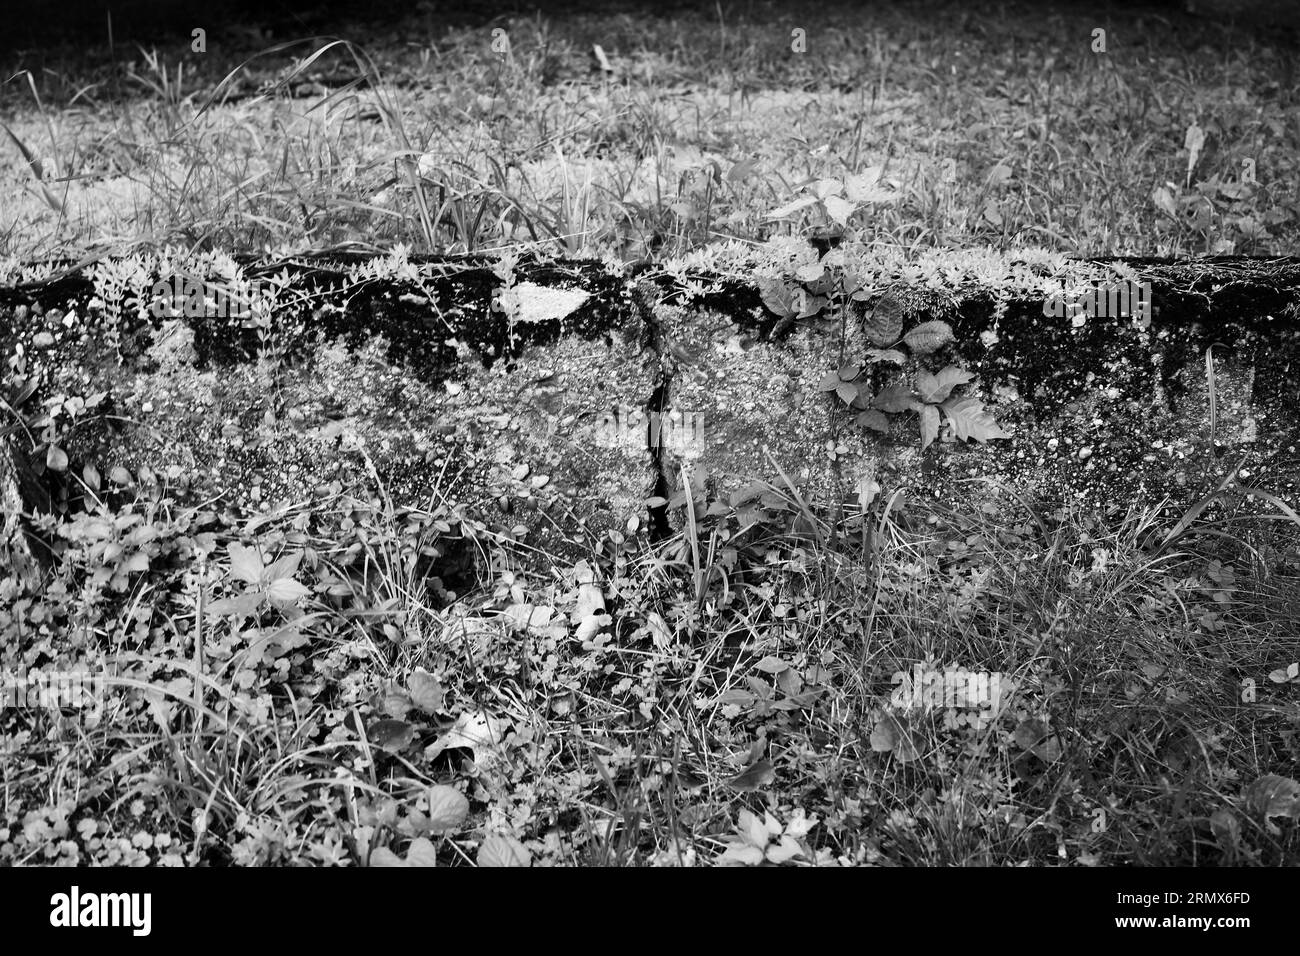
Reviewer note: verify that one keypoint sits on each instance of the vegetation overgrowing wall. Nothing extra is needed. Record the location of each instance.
(551, 395)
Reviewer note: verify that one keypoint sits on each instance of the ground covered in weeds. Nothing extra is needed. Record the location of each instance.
(352, 680)
(310, 689)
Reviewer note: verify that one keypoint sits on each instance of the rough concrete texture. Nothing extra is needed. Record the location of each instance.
(1116, 411)
(521, 392)
(1108, 411)
(429, 397)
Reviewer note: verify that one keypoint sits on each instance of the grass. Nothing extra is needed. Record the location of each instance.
(705, 128)
(610, 712)
(378, 683)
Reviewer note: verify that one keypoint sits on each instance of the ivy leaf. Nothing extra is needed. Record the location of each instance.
(811, 304)
(885, 324)
(56, 459)
(894, 399)
(848, 391)
(877, 421)
(824, 285)
(830, 381)
(929, 425)
(285, 566)
(970, 422)
(839, 209)
(499, 850)
(382, 856)
(771, 664)
(448, 808)
(778, 297)
(789, 681)
(284, 591)
(245, 563)
(421, 853)
(742, 854)
(929, 337)
(827, 187)
(933, 389)
(865, 187)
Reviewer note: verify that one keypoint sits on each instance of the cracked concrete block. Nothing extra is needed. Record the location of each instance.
(573, 413)
(1106, 415)
(502, 411)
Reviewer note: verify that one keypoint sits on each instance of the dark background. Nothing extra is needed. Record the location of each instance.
(28, 23)
(33, 23)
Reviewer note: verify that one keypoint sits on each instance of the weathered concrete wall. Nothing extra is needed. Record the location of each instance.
(515, 390)
(1103, 410)
(428, 385)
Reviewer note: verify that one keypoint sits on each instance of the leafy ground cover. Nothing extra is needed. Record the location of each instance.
(363, 683)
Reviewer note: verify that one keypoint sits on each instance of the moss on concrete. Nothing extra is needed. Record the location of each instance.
(408, 374)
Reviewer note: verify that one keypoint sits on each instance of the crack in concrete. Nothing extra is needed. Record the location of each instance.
(655, 409)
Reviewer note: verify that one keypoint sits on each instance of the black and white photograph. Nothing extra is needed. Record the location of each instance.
(684, 435)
